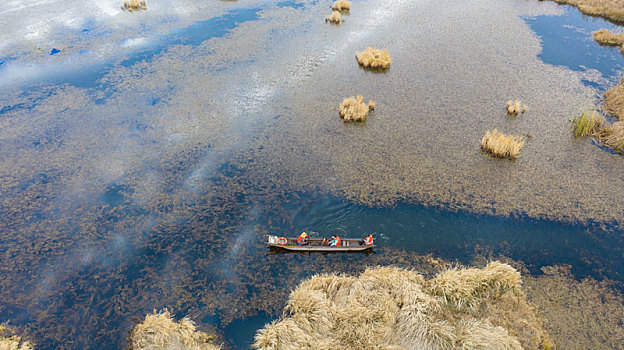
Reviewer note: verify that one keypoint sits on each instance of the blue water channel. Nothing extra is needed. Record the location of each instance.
(567, 41)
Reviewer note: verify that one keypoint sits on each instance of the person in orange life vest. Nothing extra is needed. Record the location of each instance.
(368, 240)
(303, 238)
(335, 241)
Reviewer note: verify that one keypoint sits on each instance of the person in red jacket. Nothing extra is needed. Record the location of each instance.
(335, 241)
(368, 240)
(303, 238)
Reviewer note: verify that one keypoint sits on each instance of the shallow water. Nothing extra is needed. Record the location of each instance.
(567, 40)
(155, 186)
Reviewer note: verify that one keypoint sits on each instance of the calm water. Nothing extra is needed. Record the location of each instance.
(205, 257)
(567, 41)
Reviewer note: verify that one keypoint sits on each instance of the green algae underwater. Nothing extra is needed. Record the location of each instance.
(154, 184)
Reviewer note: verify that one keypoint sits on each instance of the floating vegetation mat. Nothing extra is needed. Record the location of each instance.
(393, 308)
(578, 314)
(160, 332)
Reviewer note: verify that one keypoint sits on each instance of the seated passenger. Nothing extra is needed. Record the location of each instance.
(303, 238)
(335, 241)
(368, 240)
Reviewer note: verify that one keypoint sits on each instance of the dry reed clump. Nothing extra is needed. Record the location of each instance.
(335, 17)
(612, 136)
(610, 9)
(587, 124)
(374, 58)
(393, 308)
(341, 5)
(515, 107)
(160, 332)
(501, 145)
(354, 109)
(465, 288)
(614, 100)
(605, 37)
(134, 5)
(10, 341)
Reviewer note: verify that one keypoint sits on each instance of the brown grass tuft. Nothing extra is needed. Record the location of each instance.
(393, 308)
(160, 332)
(610, 9)
(605, 37)
(354, 109)
(341, 5)
(614, 100)
(501, 145)
(612, 136)
(374, 58)
(515, 107)
(10, 341)
(466, 288)
(134, 5)
(335, 17)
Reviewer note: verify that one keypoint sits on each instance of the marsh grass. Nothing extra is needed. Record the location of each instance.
(605, 37)
(335, 18)
(612, 136)
(587, 124)
(354, 109)
(134, 5)
(160, 332)
(10, 341)
(609, 9)
(501, 145)
(614, 100)
(341, 5)
(515, 107)
(374, 58)
(393, 308)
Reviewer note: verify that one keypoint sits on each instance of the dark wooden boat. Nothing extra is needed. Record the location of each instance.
(316, 245)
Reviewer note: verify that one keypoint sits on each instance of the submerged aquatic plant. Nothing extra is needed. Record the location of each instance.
(393, 308)
(515, 107)
(160, 332)
(587, 123)
(354, 109)
(335, 17)
(374, 58)
(134, 5)
(501, 145)
(341, 5)
(10, 341)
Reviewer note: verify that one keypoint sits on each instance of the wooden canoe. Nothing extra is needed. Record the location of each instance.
(316, 245)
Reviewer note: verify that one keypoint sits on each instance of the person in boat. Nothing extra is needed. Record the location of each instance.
(368, 240)
(303, 238)
(325, 242)
(335, 241)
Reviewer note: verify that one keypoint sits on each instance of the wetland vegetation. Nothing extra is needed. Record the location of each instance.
(149, 178)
